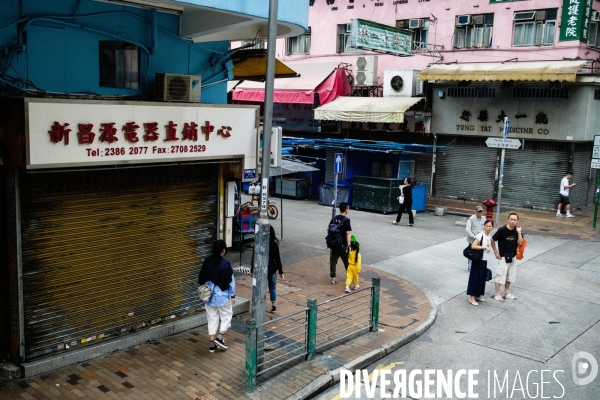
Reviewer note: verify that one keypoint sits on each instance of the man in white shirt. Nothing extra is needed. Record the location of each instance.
(565, 185)
(474, 227)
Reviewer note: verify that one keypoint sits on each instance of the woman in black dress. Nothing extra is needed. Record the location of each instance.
(407, 203)
(477, 276)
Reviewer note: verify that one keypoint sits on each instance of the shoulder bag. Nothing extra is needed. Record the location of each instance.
(204, 292)
(473, 255)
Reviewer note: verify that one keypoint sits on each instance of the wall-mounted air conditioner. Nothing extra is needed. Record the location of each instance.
(180, 88)
(365, 71)
(595, 16)
(415, 23)
(477, 20)
(463, 20)
(403, 83)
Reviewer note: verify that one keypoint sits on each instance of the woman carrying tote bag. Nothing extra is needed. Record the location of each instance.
(478, 273)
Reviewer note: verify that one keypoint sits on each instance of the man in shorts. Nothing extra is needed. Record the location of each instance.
(508, 238)
(565, 185)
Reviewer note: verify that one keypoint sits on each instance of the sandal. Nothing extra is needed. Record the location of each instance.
(499, 298)
(510, 296)
(473, 302)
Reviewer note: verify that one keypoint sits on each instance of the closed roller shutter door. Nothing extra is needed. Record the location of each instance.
(532, 176)
(466, 172)
(423, 170)
(112, 251)
(582, 195)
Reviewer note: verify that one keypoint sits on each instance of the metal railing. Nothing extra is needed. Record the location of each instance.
(298, 335)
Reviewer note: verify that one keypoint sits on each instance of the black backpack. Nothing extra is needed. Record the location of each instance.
(334, 238)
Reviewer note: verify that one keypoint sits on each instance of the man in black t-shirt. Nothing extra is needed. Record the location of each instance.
(341, 251)
(508, 238)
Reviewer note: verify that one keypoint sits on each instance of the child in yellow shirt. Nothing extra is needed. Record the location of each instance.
(354, 264)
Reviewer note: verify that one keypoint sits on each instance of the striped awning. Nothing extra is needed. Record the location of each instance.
(564, 71)
(366, 109)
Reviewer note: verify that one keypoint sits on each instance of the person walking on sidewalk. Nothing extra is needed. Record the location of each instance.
(565, 185)
(508, 238)
(340, 251)
(474, 227)
(477, 276)
(407, 203)
(274, 267)
(217, 273)
(354, 265)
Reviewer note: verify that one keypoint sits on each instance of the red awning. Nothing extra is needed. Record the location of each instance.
(327, 80)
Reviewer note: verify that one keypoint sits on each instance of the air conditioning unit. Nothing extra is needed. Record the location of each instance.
(477, 20)
(400, 23)
(415, 23)
(365, 71)
(180, 88)
(595, 16)
(403, 83)
(463, 20)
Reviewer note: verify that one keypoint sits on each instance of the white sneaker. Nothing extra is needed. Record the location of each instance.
(559, 215)
(570, 216)
(333, 281)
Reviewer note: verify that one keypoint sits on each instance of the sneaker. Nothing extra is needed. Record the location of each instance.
(570, 216)
(221, 344)
(356, 287)
(212, 348)
(333, 281)
(559, 215)
(273, 309)
(348, 290)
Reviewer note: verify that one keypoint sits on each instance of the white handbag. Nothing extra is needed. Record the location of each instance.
(401, 197)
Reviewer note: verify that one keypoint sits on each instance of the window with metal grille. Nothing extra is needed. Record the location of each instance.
(119, 64)
(343, 39)
(540, 93)
(299, 44)
(594, 36)
(473, 31)
(471, 92)
(534, 28)
(420, 31)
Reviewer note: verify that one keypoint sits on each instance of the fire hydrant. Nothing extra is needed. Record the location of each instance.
(490, 206)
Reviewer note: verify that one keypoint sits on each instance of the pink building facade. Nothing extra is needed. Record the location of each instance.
(554, 118)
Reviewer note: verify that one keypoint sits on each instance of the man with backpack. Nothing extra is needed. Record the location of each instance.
(338, 238)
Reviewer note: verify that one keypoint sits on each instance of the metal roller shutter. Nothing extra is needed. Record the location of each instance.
(582, 195)
(329, 165)
(423, 169)
(532, 176)
(466, 172)
(106, 252)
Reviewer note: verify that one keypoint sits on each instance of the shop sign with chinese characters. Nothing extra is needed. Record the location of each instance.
(76, 133)
(575, 20)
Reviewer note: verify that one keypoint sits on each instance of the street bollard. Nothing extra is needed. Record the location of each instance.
(250, 354)
(311, 334)
(375, 304)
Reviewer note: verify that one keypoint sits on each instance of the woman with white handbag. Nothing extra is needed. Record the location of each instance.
(405, 200)
(216, 272)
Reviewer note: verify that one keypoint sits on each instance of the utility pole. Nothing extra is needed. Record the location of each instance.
(501, 175)
(261, 238)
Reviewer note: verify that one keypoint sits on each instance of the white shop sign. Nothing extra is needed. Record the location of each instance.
(81, 133)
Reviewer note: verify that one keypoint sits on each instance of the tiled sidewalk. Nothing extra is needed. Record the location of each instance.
(180, 366)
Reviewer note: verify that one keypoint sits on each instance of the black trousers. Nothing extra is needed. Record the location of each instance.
(408, 207)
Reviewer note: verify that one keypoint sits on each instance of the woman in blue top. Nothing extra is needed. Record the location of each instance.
(217, 273)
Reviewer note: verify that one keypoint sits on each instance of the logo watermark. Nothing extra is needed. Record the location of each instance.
(584, 364)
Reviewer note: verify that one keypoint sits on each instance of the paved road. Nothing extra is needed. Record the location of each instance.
(557, 313)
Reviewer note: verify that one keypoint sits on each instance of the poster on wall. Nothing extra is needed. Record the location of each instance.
(64, 133)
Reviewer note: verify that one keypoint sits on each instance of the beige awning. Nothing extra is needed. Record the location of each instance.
(366, 109)
(564, 71)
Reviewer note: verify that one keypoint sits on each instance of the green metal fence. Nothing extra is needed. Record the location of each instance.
(299, 335)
